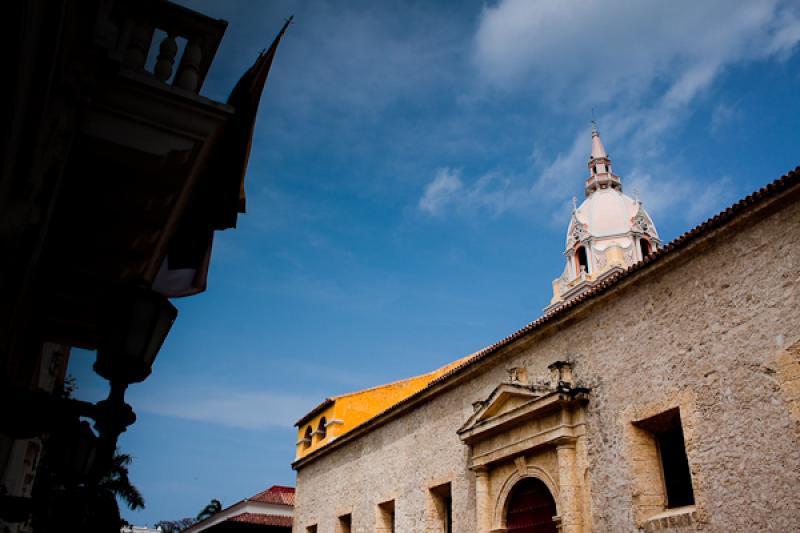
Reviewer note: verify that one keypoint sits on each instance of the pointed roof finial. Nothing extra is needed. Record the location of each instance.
(574, 204)
(598, 150)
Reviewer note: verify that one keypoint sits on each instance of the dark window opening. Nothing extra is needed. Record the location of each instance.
(311, 529)
(644, 246)
(307, 436)
(677, 477)
(322, 430)
(443, 504)
(667, 431)
(386, 516)
(583, 259)
(448, 515)
(345, 524)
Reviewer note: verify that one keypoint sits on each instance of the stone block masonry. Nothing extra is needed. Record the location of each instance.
(711, 329)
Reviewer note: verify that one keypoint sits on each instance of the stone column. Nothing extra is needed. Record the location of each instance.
(483, 503)
(569, 493)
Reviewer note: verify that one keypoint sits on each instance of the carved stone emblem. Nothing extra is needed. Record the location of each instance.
(641, 223)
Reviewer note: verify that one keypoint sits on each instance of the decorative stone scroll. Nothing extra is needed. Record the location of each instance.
(578, 232)
(641, 223)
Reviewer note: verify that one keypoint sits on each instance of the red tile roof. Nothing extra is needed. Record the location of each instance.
(791, 179)
(262, 519)
(276, 494)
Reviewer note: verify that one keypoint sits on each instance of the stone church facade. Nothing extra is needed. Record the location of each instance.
(663, 396)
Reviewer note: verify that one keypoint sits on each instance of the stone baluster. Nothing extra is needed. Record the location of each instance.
(166, 58)
(188, 75)
(138, 47)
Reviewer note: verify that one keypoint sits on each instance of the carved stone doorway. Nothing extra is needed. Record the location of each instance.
(531, 508)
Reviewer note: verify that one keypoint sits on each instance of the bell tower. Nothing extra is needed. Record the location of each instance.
(607, 233)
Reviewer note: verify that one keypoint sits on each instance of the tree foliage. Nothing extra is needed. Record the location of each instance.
(119, 484)
(213, 507)
(174, 526)
(63, 495)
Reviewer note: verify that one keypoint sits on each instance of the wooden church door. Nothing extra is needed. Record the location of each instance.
(531, 508)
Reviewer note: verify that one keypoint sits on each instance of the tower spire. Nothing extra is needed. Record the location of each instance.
(600, 175)
(598, 150)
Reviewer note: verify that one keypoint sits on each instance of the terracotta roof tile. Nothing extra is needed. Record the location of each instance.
(276, 494)
(790, 179)
(262, 519)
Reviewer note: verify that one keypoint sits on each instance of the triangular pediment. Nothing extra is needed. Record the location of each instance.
(503, 399)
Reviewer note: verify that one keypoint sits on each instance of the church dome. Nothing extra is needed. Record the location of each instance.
(605, 213)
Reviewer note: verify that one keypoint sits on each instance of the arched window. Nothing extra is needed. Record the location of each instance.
(322, 430)
(307, 437)
(644, 246)
(531, 508)
(582, 259)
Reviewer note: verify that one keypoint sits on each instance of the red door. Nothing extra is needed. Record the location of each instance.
(531, 508)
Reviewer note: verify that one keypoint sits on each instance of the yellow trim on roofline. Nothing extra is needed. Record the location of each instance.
(339, 414)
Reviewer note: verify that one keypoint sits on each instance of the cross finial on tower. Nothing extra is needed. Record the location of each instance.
(574, 204)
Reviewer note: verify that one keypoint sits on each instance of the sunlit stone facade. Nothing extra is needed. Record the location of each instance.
(667, 399)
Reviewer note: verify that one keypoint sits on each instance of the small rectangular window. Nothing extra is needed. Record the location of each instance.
(442, 508)
(386, 517)
(666, 431)
(344, 524)
(311, 529)
(677, 477)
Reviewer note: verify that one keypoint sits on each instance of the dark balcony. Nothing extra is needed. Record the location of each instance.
(137, 152)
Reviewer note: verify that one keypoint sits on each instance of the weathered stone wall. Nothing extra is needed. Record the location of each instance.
(708, 331)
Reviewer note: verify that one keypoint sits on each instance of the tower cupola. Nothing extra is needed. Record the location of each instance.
(607, 233)
(600, 174)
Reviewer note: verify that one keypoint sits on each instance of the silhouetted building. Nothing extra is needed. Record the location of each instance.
(115, 174)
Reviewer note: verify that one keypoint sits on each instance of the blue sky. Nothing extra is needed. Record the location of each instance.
(409, 192)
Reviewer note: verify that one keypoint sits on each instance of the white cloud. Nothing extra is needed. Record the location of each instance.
(544, 189)
(691, 201)
(597, 50)
(247, 409)
(643, 62)
(491, 194)
(786, 34)
(723, 115)
(442, 191)
(560, 176)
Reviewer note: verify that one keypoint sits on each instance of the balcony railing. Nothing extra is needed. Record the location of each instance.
(126, 29)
